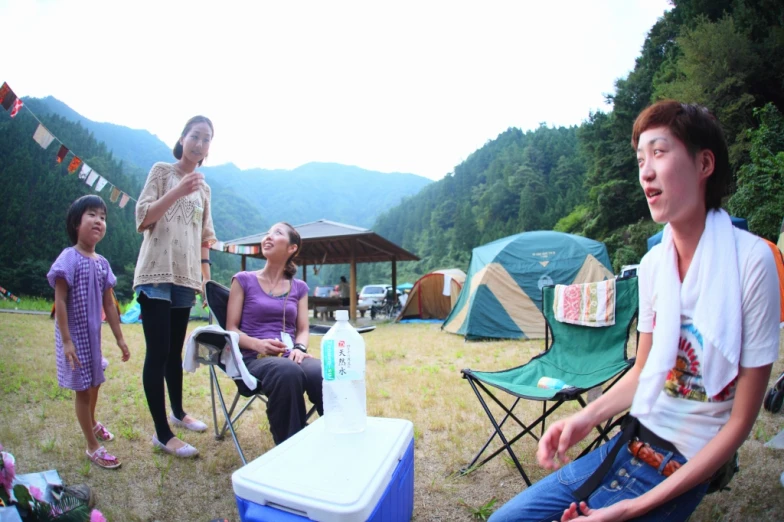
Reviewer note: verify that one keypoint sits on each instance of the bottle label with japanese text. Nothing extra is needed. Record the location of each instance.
(338, 362)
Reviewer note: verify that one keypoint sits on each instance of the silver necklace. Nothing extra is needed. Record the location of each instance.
(273, 286)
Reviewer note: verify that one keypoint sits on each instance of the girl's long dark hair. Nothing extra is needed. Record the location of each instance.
(290, 269)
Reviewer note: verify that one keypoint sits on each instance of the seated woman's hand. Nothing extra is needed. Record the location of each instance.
(298, 356)
(271, 347)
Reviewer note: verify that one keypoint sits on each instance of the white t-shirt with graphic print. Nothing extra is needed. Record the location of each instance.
(683, 414)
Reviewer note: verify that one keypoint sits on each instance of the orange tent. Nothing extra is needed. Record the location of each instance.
(433, 295)
(780, 269)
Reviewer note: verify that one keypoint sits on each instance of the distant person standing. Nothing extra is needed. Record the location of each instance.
(173, 213)
(345, 291)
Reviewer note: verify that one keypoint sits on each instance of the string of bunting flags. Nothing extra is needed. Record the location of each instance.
(13, 104)
(236, 249)
(6, 294)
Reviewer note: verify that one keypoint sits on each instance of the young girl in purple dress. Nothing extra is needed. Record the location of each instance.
(83, 282)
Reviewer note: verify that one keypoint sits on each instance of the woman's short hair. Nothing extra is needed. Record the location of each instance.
(77, 209)
(697, 129)
(177, 150)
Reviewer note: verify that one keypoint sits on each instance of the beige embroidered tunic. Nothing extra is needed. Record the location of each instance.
(171, 249)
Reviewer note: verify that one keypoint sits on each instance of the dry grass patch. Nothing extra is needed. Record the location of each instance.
(413, 373)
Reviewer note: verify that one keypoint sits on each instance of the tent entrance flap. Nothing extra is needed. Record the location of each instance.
(433, 295)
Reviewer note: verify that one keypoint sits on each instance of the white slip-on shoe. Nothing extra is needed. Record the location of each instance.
(186, 451)
(196, 425)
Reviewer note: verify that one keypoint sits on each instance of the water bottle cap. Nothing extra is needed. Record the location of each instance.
(341, 315)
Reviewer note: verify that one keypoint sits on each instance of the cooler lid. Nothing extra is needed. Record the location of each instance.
(326, 476)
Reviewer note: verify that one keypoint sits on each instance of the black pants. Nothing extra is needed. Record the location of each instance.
(164, 332)
(283, 382)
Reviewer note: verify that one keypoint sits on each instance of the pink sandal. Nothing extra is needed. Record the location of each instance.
(103, 459)
(101, 433)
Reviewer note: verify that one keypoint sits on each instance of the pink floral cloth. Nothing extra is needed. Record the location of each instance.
(586, 304)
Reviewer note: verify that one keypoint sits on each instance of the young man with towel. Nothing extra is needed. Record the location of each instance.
(709, 334)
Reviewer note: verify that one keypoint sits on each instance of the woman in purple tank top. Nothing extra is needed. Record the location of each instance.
(269, 310)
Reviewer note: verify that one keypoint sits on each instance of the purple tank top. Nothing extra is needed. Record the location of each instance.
(262, 315)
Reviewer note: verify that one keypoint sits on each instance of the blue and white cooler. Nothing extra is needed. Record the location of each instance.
(316, 475)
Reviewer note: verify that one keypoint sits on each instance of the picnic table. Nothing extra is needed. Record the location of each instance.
(328, 305)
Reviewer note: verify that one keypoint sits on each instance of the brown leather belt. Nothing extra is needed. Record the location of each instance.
(632, 433)
(645, 453)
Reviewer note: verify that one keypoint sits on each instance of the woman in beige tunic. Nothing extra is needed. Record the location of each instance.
(173, 213)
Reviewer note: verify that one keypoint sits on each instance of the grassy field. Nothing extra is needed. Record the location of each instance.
(413, 373)
(38, 304)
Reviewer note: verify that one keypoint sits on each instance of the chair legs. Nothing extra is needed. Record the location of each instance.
(476, 385)
(229, 423)
(228, 413)
(507, 445)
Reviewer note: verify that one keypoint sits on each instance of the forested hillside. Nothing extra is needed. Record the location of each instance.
(36, 193)
(244, 202)
(727, 55)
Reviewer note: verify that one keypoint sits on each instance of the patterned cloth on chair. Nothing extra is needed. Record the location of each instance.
(587, 304)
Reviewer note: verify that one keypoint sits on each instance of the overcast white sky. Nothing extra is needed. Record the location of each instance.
(391, 86)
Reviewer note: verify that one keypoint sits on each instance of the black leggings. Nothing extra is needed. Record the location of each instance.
(164, 332)
(283, 382)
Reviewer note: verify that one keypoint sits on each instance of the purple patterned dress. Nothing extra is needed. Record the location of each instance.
(87, 280)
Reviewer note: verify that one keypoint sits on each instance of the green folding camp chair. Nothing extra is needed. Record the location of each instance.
(583, 357)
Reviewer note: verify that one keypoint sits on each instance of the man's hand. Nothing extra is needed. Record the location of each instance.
(561, 436)
(617, 512)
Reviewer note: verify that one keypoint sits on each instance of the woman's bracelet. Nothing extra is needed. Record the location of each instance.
(301, 347)
(207, 261)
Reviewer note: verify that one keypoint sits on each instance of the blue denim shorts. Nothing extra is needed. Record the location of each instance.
(178, 296)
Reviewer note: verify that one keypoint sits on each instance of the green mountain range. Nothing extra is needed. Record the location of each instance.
(244, 202)
(727, 55)
(261, 197)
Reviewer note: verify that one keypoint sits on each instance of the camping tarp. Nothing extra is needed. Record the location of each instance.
(198, 311)
(431, 297)
(502, 297)
(133, 311)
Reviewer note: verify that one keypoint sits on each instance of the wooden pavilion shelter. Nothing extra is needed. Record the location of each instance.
(329, 243)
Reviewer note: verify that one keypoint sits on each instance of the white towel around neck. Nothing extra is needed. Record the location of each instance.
(717, 313)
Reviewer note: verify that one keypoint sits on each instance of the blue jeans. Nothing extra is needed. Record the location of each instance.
(178, 296)
(628, 478)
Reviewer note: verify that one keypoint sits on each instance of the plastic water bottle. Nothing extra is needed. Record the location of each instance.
(343, 370)
(551, 383)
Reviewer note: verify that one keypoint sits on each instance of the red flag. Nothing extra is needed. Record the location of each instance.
(75, 162)
(62, 153)
(7, 96)
(5, 89)
(17, 105)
